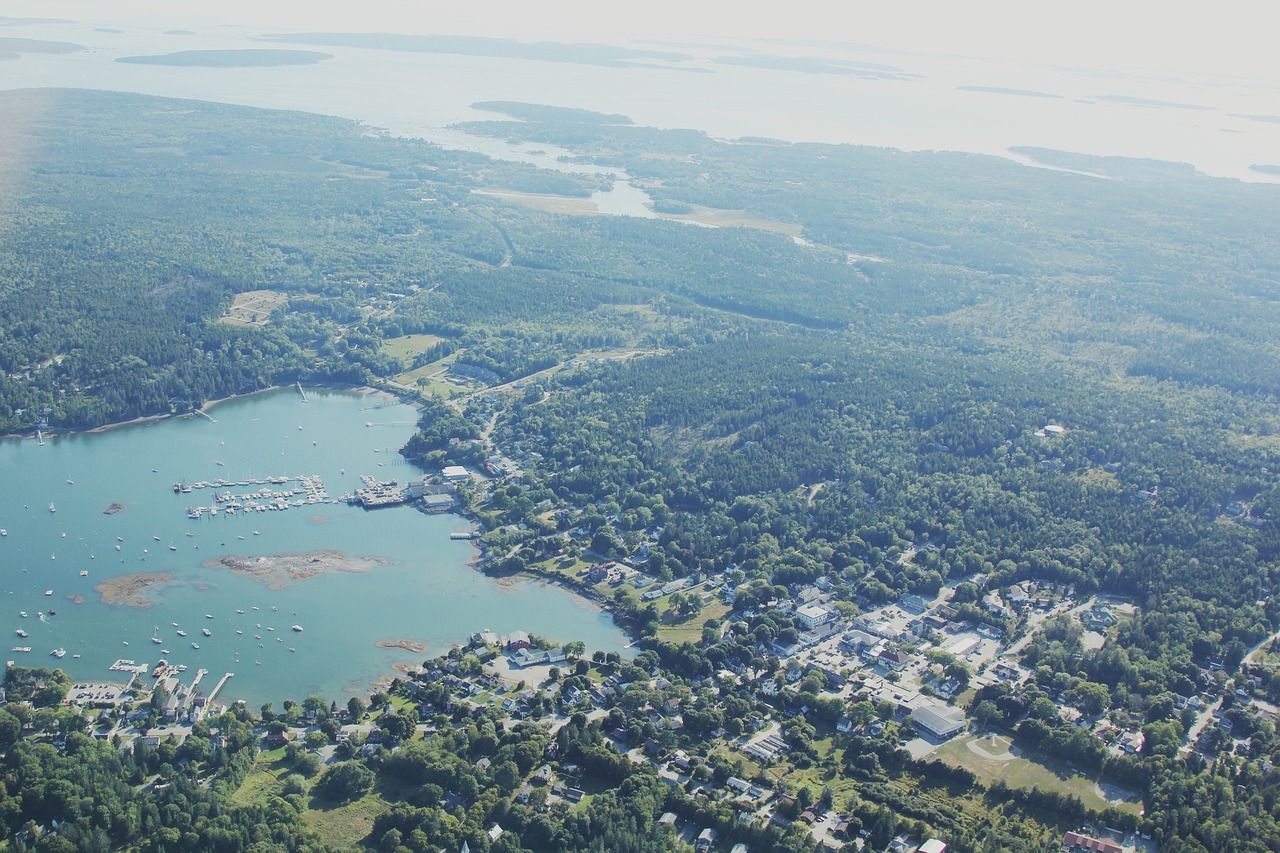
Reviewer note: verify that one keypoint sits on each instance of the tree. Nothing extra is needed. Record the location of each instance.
(346, 781)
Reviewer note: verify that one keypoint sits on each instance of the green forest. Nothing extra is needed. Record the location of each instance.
(862, 413)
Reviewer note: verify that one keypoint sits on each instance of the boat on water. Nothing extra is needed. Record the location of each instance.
(84, 573)
(240, 611)
(182, 633)
(119, 538)
(157, 640)
(238, 631)
(173, 547)
(20, 632)
(52, 508)
(195, 645)
(20, 649)
(3, 532)
(22, 613)
(208, 616)
(117, 547)
(157, 538)
(58, 653)
(297, 628)
(48, 592)
(182, 667)
(206, 632)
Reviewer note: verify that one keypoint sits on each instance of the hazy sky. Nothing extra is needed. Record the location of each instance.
(1232, 38)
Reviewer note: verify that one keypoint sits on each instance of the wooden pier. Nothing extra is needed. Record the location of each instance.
(301, 393)
(218, 687)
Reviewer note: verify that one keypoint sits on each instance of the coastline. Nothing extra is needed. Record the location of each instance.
(204, 409)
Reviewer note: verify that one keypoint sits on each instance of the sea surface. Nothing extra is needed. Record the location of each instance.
(426, 592)
(927, 102)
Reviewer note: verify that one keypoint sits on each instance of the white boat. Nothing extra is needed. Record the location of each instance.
(22, 613)
(119, 538)
(297, 628)
(117, 547)
(195, 645)
(208, 616)
(20, 632)
(84, 573)
(157, 640)
(165, 652)
(48, 592)
(206, 632)
(3, 532)
(58, 653)
(20, 649)
(52, 508)
(182, 633)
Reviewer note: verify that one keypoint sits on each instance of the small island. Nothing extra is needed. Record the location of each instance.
(276, 570)
(131, 590)
(259, 58)
(114, 507)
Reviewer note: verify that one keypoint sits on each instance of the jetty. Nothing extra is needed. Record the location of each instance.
(301, 393)
(202, 413)
(218, 687)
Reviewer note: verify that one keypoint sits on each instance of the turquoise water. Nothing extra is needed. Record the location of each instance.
(427, 593)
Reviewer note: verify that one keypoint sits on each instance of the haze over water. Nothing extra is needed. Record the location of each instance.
(428, 593)
(934, 101)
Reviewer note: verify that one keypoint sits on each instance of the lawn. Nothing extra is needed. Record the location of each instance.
(408, 346)
(1028, 770)
(263, 780)
(689, 629)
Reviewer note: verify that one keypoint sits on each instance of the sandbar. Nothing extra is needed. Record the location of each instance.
(276, 570)
(131, 590)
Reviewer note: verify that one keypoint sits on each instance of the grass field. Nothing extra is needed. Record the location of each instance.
(408, 346)
(1027, 770)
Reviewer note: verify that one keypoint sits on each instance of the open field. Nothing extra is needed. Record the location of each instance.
(994, 758)
(253, 307)
(407, 346)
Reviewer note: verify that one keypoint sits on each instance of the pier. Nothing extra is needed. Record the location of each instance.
(301, 393)
(202, 413)
(218, 687)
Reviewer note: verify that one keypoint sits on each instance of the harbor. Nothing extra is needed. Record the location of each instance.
(390, 574)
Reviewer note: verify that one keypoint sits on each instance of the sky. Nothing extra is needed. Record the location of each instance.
(1228, 38)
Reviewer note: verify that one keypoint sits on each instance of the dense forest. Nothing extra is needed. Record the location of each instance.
(783, 412)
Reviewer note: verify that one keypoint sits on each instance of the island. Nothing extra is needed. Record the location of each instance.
(249, 58)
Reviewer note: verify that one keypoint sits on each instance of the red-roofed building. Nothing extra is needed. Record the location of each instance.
(1074, 841)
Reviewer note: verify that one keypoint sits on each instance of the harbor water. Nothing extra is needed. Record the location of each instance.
(83, 510)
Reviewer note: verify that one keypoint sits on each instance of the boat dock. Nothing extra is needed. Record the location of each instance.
(310, 490)
(301, 393)
(375, 494)
(464, 534)
(218, 687)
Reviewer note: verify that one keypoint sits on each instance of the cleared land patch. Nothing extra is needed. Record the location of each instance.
(253, 307)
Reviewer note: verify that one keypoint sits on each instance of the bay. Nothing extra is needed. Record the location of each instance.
(423, 588)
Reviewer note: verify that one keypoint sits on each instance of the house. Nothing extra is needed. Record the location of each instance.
(939, 722)
(813, 615)
(518, 640)
(933, 845)
(1074, 842)
(455, 473)
(913, 604)
(706, 840)
(893, 660)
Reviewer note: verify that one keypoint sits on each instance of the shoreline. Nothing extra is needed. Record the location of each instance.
(204, 410)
